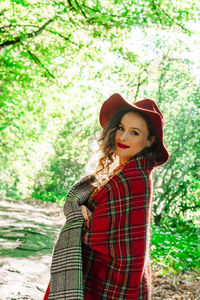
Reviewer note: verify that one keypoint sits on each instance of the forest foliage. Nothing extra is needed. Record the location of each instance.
(59, 60)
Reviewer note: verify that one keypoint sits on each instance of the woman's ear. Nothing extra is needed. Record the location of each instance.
(150, 141)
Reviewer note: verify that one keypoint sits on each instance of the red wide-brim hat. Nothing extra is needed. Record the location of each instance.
(147, 106)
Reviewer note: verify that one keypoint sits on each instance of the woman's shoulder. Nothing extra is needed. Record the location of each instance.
(136, 166)
(133, 171)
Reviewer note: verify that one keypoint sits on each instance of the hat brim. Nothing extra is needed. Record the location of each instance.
(116, 101)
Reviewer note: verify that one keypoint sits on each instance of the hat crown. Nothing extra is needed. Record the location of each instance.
(150, 105)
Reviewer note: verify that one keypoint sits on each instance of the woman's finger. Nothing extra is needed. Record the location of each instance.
(85, 212)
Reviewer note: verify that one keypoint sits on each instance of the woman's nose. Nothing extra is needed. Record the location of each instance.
(124, 136)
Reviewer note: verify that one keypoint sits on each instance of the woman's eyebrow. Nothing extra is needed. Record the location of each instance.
(136, 128)
(131, 127)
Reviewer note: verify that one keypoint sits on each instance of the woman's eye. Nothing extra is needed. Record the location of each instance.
(120, 128)
(134, 133)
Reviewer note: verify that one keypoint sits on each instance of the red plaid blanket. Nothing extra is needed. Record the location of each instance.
(115, 245)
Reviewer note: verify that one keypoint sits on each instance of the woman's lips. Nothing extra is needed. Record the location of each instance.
(122, 146)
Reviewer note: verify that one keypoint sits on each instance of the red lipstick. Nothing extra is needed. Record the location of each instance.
(122, 146)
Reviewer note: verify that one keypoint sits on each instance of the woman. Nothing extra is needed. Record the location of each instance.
(117, 210)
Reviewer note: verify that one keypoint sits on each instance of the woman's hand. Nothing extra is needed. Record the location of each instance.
(86, 212)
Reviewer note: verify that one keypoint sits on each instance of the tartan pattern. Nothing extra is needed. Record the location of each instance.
(115, 245)
(66, 268)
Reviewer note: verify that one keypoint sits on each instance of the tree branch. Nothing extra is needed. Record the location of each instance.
(2, 12)
(6, 26)
(70, 4)
(41, 28)
(102, 13)
(177, 23)
(138, 86)
(130, 17)
(37, 60)
(8, 43)
(157, 13)
(78, 5)
(29, 35)
(48, 30)
(140, 82)
(64, 37)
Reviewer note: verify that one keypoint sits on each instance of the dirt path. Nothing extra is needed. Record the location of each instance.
(27, 235)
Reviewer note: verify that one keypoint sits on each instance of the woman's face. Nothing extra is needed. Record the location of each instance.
(131, 136)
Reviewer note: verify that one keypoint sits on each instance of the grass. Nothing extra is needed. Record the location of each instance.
(175, 246)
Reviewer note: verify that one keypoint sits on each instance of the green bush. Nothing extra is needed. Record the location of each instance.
(175, 245)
